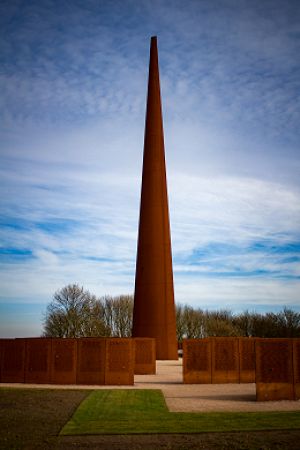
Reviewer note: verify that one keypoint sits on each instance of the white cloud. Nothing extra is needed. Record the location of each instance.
(239, 294)
(232, 210)
(98, 249)
(72, 134)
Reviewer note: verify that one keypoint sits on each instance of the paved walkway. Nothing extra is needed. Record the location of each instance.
(206, 397)
(190, 397)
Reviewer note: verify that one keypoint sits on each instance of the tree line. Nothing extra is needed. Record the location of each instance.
(197, 323)
(75, 312)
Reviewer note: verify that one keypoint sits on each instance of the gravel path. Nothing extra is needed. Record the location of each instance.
(191, 397)
(206, 397)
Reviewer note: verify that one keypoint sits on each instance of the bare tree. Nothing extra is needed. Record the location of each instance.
(190, 322)
(220, 327)
(180, 323)
(118, 314)
(96, 326)
(220, 323)
(243, 322)
(73, 313)
(289, 323)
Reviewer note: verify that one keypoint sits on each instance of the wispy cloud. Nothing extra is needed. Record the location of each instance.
(72, 115)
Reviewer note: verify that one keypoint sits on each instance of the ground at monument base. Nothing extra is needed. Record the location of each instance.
(191, 397)
(32, 419)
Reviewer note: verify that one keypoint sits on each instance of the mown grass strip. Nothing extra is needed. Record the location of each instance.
(145, 412)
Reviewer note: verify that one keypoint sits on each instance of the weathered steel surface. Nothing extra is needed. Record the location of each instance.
(145, 356)
(154, 309)
(225, 360)
(64, 361)
(91, 361)
(247, 360)
(197, 361)
(119, 367)
(296, 356)
(274, 369)
(94, 361)
(13, 361)
(38, 360)
(1, 355)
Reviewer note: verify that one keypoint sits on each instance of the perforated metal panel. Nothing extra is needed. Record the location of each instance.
(274, 361)
(91, 361)
(145, 356)
(274, 369)
(197, 361)
(119, 369)
(225, 360)
(1, 352)
(247, 360)
(13, 361)
(64, 361)
(38, 360)
(296, 355)
(296, 351)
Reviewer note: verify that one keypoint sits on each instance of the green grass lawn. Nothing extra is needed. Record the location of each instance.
(145, 412)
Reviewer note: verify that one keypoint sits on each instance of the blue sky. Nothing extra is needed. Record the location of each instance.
(73, 91)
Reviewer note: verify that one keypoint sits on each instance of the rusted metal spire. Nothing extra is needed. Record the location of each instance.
(154, 309)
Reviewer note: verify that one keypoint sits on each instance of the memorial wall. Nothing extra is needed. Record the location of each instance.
(197, 361)
(38, 360)
(92, 361)
(91, 354)
(247, 359)
(12, 368)
(225, 360)
(145, 356)
(274, 369)
(64, 361)
(296, 364)
(119, 366)
(216, 360)
(274, 364)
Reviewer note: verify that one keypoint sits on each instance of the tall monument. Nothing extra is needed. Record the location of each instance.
(154, 309)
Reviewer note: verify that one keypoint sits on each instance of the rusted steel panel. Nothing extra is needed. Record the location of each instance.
(13, 361)
(247, 360)
(154, 308)
(38, 360)
(1, 352)
(119, 367)
(274, 391)
(64, 361)
(274, 369)
(197, 361)
(145, 356)
(296, 356)
(225, 360)
(91, 361)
